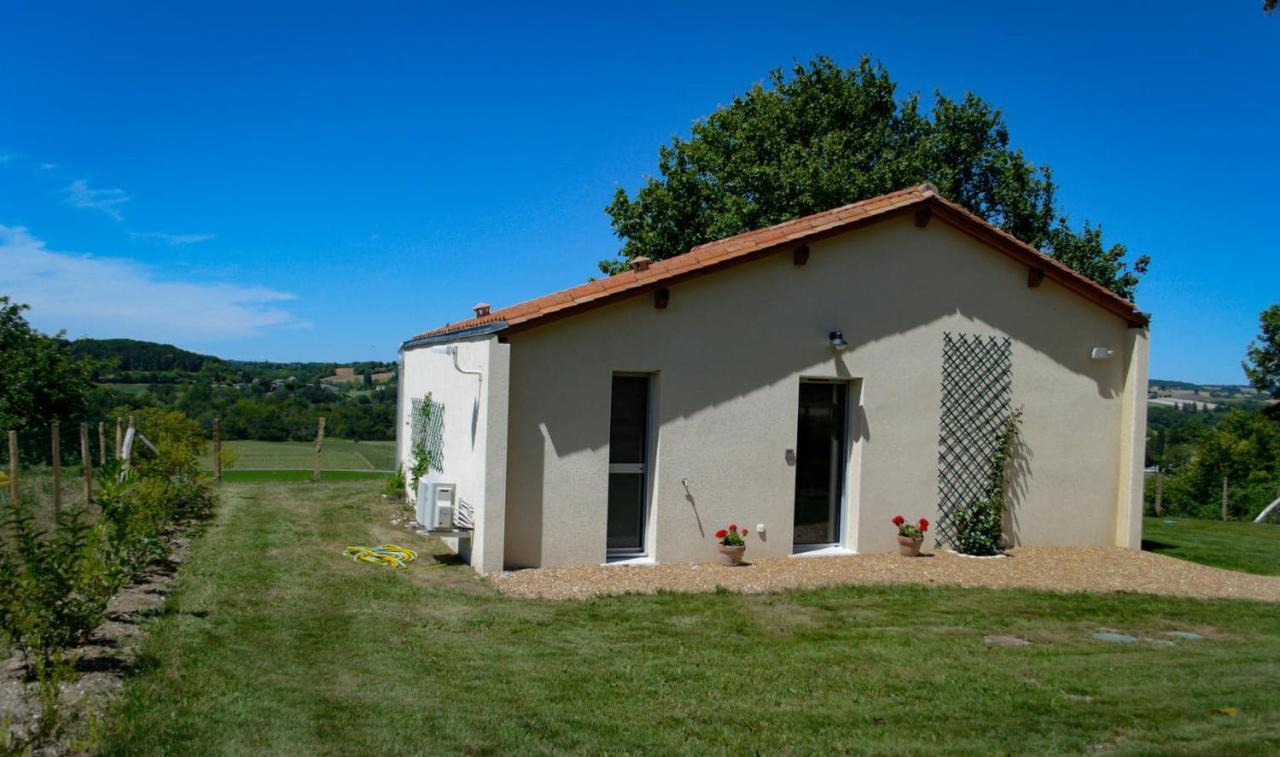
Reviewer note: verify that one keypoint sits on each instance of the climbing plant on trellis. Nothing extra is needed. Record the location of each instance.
(426, 430)
(977, 398)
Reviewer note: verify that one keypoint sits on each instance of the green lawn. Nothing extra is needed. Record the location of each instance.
(275, 643)
(338, 454)
(1249, 547)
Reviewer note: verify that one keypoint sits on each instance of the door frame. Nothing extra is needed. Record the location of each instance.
(848, 506)
(617, 554)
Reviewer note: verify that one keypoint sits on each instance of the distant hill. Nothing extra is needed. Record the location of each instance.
(135, 355)
(133, 361)
(1188, 386)
(1185, 395)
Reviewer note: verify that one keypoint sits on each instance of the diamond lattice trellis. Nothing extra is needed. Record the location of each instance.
(428, 431)
(977, 397)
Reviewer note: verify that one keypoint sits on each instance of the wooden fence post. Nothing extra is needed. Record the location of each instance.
(13, 466)
(119, 439)
(1159, 493)
(1224, 497)
(88, 464)
(56, 435)
(102, 444)
(319, 446)
(217, 450)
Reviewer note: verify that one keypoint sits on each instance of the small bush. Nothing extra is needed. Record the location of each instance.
(979, 528)
(54, 589)
(395, 488)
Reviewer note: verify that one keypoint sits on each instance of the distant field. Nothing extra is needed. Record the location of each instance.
(338, 454)
(128, 388)
(300, 475)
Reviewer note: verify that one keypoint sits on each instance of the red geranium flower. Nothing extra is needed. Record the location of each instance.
(898, 520)
(721, 534)
(924, 525)
(745, 532)
(733, 527)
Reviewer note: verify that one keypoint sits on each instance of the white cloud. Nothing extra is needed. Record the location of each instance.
(114, 297)
(48, 166)
(172, 238)
(7, 157)
(81, 195)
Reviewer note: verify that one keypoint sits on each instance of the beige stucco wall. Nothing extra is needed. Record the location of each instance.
(729, 352)
(473, 432)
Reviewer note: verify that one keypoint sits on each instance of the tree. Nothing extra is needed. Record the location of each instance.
(40, 379)
(1262, 360)
(1269, 5)
(826, 136)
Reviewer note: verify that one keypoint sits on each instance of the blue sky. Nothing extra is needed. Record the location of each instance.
(319, 181)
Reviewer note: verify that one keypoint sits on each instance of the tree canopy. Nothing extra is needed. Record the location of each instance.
(826, 136)
(40, 379)
(1262, 360)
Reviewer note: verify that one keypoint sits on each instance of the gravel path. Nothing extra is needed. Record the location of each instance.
(1092, 569)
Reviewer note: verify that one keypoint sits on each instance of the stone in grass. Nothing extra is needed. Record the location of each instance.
(1187, 635)
(1006, 641)
(1114, 638)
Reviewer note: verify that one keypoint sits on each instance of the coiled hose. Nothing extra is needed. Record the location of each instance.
(387, 554)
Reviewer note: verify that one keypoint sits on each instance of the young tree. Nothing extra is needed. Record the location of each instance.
(1262, 360)
(40, 379)
(825, 136)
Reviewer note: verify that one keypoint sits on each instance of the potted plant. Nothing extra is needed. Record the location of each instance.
(910, 535)
(732, 544)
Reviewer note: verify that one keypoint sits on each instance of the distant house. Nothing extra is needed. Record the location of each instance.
(808, 381)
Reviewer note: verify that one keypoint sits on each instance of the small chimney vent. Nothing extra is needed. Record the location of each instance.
(640, 264)
(481, 309)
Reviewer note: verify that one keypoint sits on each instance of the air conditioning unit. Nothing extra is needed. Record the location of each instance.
(435, 505)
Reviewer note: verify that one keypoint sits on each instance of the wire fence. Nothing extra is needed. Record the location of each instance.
(53, 468)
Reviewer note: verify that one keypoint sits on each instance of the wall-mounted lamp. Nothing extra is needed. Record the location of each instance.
(1101, 353)
(837, 341)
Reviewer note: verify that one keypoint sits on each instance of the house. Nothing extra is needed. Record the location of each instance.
(808, 381)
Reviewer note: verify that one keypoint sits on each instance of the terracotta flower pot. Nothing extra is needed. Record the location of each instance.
(731, 555)
(910, 547)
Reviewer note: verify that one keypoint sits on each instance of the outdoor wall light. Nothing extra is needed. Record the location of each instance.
(1101, 353)
(837, 341)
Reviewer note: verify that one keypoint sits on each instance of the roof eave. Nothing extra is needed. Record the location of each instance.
(458, 335)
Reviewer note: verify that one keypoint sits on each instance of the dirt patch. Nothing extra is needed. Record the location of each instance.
(101, 664)
(1067, 569)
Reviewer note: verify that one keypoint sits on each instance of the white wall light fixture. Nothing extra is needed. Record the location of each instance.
(1101, 353)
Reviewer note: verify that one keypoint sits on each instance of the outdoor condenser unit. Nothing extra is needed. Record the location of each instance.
(435, 505)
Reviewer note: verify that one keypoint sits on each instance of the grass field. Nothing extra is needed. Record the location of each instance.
(1248, 547)
(338, 454)
(275, 643)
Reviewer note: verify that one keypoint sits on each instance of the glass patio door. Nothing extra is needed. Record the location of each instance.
(628, 464)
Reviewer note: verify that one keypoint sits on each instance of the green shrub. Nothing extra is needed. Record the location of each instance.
(54, 588)
(979, 528)
(395, 488)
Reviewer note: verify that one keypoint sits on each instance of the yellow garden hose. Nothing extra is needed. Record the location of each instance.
(387, 554)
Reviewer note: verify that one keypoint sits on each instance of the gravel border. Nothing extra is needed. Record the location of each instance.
(1065, 569)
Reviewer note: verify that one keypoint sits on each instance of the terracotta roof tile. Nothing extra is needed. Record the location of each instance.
(711, 255)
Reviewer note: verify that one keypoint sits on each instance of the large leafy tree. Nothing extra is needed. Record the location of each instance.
(825, 136)
(40, 379)
(1262, 360)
